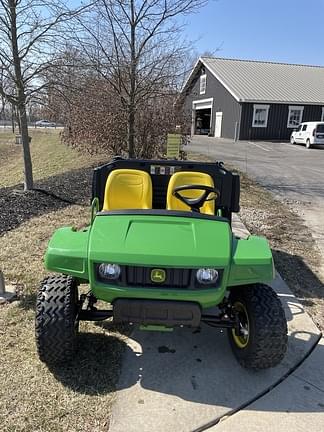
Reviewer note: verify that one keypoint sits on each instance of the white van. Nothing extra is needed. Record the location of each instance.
(308, 133)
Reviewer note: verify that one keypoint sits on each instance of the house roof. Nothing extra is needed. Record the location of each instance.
(267, 82)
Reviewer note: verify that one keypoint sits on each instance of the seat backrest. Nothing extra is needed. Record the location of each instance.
(128, 189)
(182, 178)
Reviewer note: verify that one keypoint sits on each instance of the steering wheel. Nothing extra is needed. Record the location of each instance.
(196, 203)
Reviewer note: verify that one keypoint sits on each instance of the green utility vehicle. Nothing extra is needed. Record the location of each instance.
(160, 250)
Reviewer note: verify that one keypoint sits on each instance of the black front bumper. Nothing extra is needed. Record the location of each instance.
(157, 312)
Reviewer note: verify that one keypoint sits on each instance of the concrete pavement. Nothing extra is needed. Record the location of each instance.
(188, 380)
(295, 405)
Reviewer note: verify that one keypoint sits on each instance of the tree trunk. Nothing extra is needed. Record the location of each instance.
(22, 117)
(28, 168)
(131, 108)
(131, 131)
(13, 118)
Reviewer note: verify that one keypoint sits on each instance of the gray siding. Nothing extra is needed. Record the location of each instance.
(277, 122)
(223, 101)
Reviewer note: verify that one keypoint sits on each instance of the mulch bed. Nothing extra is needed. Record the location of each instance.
(16, 206)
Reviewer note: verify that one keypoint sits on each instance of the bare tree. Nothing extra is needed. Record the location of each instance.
(137, 46)
(95, 119)
(29, 32)
(3, 101)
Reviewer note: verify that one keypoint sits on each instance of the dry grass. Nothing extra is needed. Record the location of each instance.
(34, 398)
(6, 136)
(76, 397)
(50, 157)
(22, 249)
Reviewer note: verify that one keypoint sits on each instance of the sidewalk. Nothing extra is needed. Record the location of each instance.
(188, 380)
(297, 404)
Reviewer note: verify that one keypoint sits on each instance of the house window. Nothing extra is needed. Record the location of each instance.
(203, 79)
(295, 116)
(322, 116)
(260, 115)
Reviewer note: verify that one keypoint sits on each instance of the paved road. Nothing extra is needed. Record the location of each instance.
(294, 173)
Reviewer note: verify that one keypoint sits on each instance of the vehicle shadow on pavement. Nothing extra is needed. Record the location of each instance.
(193, 365)
(201, 368)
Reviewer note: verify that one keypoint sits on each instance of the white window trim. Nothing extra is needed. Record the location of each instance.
(208, 102)
(291, 108)
(202, 77)
(322, 116)
(255, 107)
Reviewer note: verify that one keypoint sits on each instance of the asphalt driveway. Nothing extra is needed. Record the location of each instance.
(292, 172)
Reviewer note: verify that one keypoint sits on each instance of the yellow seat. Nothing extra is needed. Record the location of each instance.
(189, 178)
(128, 189)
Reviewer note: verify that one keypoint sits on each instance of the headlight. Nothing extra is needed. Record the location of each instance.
(109, 271)
(207, 276)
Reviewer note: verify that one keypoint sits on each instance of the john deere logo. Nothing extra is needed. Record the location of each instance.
(158, 275)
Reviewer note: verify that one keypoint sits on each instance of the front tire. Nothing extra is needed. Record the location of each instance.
(292, 141)
(308, 144)
(262, 341)
(56, 323)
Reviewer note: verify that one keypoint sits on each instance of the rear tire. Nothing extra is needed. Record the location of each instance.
(263, 341)
(308, 144)
(56, 323)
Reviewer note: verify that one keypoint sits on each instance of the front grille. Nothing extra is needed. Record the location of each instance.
(174, 277)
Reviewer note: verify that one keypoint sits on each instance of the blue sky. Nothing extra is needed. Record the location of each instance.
(285, 31)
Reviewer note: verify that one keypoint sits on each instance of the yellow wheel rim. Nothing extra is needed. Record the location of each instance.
(243, 339)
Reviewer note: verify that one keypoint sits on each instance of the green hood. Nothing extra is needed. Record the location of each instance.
(160, 240)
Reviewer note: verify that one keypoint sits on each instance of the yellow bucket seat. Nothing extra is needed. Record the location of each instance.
(189, 178)
(128, 189)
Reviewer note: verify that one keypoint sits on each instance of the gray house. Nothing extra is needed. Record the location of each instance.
(252, 100)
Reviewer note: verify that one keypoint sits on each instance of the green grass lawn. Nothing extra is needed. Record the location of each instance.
(49, 157)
